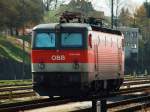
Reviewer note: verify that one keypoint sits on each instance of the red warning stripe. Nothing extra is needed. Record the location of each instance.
(61, 56)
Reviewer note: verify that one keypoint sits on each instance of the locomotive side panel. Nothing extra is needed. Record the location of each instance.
(108, 52)
(108, 58)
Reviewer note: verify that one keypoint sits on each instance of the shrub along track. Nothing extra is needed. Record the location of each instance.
(14, 85)
(16, 91)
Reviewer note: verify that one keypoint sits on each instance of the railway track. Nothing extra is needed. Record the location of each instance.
(12, 92)
(33, 104)
(131, 83)
(18, 91)
(128, 105)
(137, 78)
(136, 107)
(15, 89)
(17, 95)
(134, 89)
(11, 89)
(49, 102)
(30, 84)
(18, 87)
(15, 85)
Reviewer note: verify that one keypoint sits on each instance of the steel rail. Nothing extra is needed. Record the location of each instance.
(11, 90)
(17, 87)
(29, 86)
(136, 79)
(33, 104)
(12, 95)
(127, 101)
(124, 102)
(124, 84)
(132, 90)
(136, 82)
(135, 108)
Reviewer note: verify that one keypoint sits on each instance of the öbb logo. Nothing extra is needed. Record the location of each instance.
(57, 57)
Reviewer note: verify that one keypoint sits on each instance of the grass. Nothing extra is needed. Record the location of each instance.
(10, 50)
(14, 82)
(22, 100)
(3, 53)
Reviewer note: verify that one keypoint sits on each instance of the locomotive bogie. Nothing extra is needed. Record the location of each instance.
(61, 84)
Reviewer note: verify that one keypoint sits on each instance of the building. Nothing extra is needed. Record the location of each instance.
(132, 37)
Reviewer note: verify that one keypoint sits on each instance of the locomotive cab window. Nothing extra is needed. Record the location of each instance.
(45, 40)
(71, 40)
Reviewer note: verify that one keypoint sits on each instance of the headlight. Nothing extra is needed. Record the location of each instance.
(41, 66)
(76, 65)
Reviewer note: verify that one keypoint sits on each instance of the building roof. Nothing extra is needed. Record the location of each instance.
(128, 29)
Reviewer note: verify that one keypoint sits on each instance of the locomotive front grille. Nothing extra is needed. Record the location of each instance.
(52, 79)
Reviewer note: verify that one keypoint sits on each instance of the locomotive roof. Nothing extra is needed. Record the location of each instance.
(106, 30)
(53, 25)
(77, 25)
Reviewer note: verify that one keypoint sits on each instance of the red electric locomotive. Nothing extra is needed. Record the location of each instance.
(73, 58)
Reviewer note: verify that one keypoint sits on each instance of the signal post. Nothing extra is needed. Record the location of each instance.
(99, 105)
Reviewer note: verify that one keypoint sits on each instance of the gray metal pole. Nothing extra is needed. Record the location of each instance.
(112, 13)
(23, 55)
(103, 105)
(94, 105)
(56, 4)
(147, 8)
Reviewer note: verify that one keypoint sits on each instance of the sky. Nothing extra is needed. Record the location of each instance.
(103, 5)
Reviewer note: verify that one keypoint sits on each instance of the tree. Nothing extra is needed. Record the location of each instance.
(74, 5)
(47, 4)
(8, 13)
(81, 6)
(143, 22)
(147, 7)
(118, 4)
(18, 13)
(2, 12)
(117, 7)
(52, 4)
(125, 17)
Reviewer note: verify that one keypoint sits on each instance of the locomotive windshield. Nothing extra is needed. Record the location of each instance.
(45, 40)
(71, 39)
